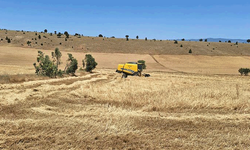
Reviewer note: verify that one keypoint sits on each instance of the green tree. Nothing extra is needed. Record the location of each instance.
(175, 42)
(137, 37)
(66, 34)
(248, 40)
(56, 55)
(200, 40)
(183, 39)
(146, 38)
(45, 66)
(59, 35)
(39, 36)
(90, 63)
(29, 43)
(190, 51)
(127, 37)
(71, 66)
(244, 71)
(205, 40)
(45, 30)
(100, 35)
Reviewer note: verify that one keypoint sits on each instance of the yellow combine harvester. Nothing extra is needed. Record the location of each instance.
(131, 68)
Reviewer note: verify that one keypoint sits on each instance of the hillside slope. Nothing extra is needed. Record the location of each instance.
(116, 45)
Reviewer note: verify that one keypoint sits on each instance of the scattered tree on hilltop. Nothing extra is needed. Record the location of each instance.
(45, 30)
(146, 38)
(66, 34)
(127, 37)
(205, 40)
(175, 42)
(29, 43)
(59, 35)
(200, 40)
(183, 39)
(248, 41)
(229, 41)
(54, 32)
(39, 36)
(100, 35)
(137, 37)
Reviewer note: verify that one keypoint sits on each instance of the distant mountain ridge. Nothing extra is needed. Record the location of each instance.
(218, 39)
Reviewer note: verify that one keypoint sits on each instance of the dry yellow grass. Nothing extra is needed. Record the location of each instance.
(183, 105)
(115, 45)
(103, 111)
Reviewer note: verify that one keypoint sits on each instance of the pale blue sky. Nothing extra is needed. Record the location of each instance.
(153, 19)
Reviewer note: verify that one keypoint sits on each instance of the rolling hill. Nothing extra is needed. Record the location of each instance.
(79, 43)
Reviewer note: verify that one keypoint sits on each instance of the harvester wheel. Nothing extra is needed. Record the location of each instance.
(139, 73)
(124, 75)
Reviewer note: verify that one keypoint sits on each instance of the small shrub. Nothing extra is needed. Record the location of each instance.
(181, 45)
(190, 51)
(175, 42)
(244, 71)
(29, 43)
(39, 36)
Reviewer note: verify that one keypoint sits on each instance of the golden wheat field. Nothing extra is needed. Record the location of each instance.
(103, 111)
(190, 101)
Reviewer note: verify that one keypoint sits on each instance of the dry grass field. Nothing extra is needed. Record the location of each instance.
(190, 101)
(87, 44)
(103, 111)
